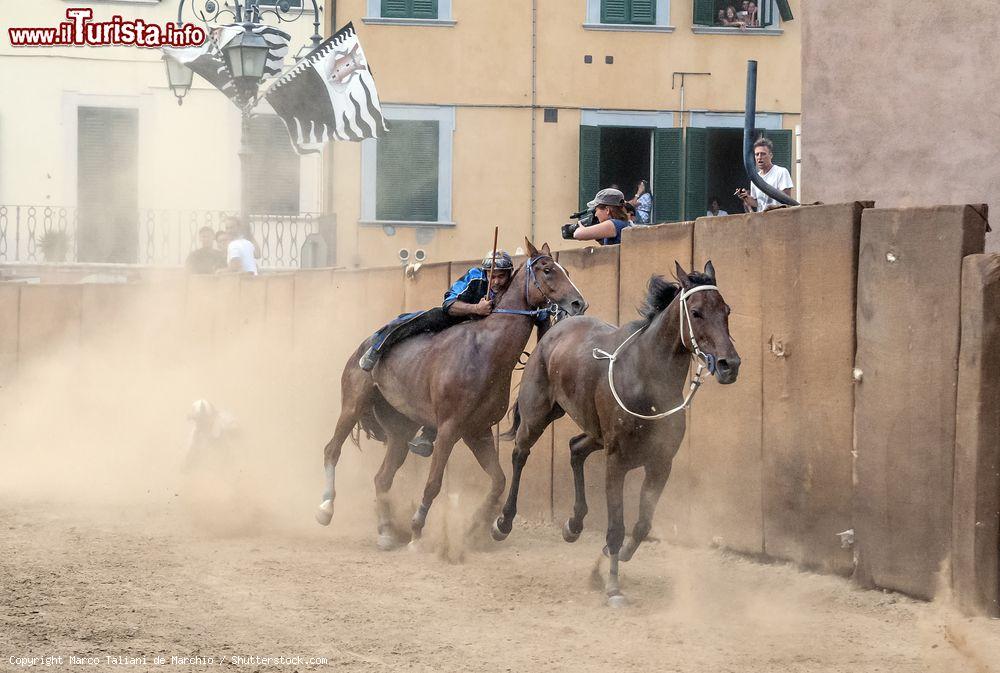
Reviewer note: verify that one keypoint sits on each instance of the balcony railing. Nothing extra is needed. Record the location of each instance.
(147, 236)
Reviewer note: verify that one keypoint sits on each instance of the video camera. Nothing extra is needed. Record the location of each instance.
(584, 218)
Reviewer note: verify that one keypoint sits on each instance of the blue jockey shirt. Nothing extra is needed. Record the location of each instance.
(470, 288)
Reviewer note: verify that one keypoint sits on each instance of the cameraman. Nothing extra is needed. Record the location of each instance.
(608, 208)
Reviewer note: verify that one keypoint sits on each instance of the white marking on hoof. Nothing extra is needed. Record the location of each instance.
(325, 513)
(568, 534)
(387, 543)
(415, 546)
(617, 601)
(628, 549)
(498, 534)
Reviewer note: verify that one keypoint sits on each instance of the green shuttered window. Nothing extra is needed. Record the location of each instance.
(705, 12)
(628, 11)
(590, 163)
(407, 172)
(666, 175)
(272, 168)
(696, 176)
(409, 9)
(782, 141)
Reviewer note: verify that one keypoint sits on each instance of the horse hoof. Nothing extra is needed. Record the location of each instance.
(325, 513)
(568, 534)
(387, 543)
(498, 534)
(617, 601)
(414, 546)
(628, 549)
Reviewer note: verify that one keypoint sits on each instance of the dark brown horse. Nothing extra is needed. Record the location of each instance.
(457, 381)
(639, 418)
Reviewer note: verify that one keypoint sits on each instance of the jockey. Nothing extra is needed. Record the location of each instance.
(469, 297)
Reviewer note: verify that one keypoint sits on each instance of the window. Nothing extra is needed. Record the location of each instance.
(272, 169)
(740, 15)
(653, 152)
(633, 15)
(410, 12)
(406, 173)
(628, 11)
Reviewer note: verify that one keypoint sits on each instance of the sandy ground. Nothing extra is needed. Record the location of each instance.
(93, 580)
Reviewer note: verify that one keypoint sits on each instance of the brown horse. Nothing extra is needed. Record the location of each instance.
(619, 384)
(457, 381)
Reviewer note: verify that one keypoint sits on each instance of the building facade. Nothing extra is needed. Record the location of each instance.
(507, 114)
(93, 143)
(514, 114)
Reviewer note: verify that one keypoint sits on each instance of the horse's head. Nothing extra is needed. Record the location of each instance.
(709, 322)
(548, 282)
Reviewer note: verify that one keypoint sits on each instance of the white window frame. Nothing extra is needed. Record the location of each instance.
(773, 29)
(374, 16)
(660, 25)
(703, 119)
(445, 116)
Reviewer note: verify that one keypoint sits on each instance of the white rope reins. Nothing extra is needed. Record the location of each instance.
(695, 352)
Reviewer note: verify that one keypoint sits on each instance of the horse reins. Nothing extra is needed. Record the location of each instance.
(696, 352)
(551, 308)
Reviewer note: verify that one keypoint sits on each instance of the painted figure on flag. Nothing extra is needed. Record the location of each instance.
(329, 95)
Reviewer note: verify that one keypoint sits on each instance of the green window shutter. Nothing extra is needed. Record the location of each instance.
(785, 10)
(406, 170)
(782, 147)
(396, 9)
(614, 11)
(272, 168)
(666, 175)
(424, 9)
(642, 11)
(695, 173)
(590, 163)
(704, 12)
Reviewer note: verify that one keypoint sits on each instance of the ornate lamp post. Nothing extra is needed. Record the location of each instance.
(245, 54)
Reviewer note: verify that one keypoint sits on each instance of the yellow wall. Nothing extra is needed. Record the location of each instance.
(482, 66)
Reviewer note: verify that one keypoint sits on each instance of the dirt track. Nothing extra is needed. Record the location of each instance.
(100, 579)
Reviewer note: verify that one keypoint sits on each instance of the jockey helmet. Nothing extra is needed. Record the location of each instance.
(503, 261)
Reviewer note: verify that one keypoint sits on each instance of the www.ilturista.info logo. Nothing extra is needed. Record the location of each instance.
(80, 31)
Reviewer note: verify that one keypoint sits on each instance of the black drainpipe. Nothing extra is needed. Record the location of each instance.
(748, 123)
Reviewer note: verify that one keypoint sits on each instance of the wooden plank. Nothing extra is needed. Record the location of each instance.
(908, 315)
(725, 421)
(809, 261)
(10, 296)
(975, 545)
(648, 251)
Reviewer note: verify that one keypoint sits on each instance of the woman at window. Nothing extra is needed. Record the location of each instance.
(643, 202)
(731, 19)
(609, 211)
(753, 17)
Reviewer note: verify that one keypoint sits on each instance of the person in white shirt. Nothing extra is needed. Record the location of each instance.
(714, 210)
(774, 175)
(240, 252)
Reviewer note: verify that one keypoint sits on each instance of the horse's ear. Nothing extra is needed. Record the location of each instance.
(681, 275)
(710, 270)
(532, 250)
(545, 250)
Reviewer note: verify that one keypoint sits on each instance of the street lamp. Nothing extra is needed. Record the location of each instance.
(246, 56)
(179, 76)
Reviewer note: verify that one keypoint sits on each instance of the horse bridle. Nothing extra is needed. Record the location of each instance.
(703, 359)
(551, 308)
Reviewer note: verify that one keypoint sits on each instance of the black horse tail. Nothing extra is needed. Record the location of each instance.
(369, 423)
(512, 432)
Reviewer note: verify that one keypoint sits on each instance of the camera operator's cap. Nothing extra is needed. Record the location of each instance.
(607, 197)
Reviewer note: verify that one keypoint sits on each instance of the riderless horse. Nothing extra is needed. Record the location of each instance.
(457, 381)
(625, 388)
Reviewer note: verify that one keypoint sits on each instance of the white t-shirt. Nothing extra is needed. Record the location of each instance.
(778, 178)
(718, 214)
(242, 249)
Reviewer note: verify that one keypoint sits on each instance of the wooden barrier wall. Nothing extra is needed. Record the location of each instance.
(777, 464)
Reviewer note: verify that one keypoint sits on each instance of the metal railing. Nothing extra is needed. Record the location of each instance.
(32, 233)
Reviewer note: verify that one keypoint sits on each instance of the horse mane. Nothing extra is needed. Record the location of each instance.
(660, 292)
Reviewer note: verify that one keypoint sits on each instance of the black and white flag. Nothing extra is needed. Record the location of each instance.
(330, 94)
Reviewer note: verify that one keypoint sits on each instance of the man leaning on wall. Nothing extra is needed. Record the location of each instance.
(774, 175)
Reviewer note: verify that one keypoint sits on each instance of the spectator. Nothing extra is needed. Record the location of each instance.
(774, 175)
(234, 224)
(222, 242)
(630, 211)
(720, 18)
(609, 210)
(713, 208)
(240, 252)
(732, 19)
(643, 202)
(753, 17)
(206, 259)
